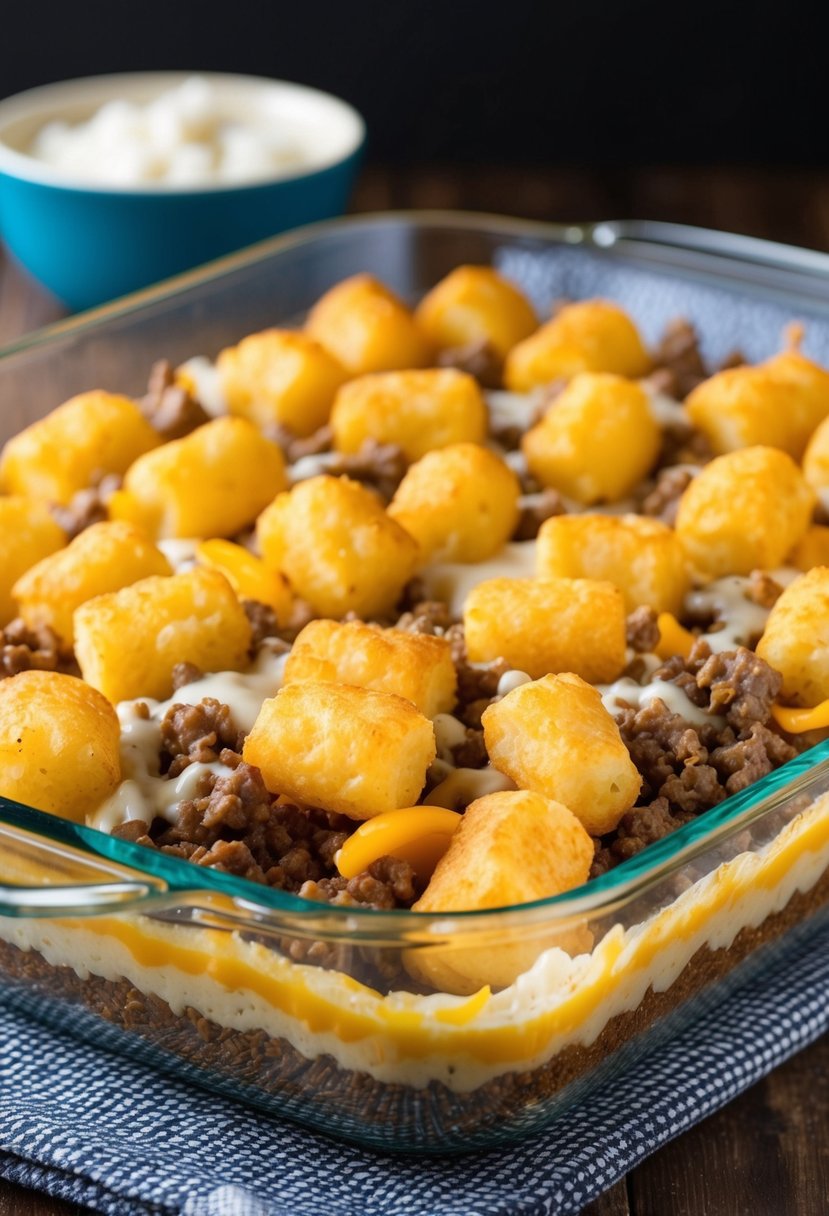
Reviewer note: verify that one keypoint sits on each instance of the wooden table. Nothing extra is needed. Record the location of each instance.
(767, 1154)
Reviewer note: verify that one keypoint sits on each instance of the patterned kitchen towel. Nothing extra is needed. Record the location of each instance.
(101, 1130)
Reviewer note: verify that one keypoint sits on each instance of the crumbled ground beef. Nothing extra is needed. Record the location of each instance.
(136, 831)
(763, 589)
(477, 358)
(533, 514)
(472, 752)
(683, 444)
(426, 616)
(24, 649)
(749, 758)
(168, 407)
(389, 882)
(294, 448)
(662, 499)
(507, 435)
(662, 745)
(263, 624)
(683, 672)
(679, 360)
(196, 734)
(686, 769)
(380, 466)
(734, 358)
(741, 685)
(232, 823)
(642, 630)
(86, 507)
(185, 673)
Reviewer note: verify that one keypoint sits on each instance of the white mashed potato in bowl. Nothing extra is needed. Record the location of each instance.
(111, 183)
(193, 133)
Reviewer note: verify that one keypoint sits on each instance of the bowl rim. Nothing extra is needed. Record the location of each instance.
(45, 100)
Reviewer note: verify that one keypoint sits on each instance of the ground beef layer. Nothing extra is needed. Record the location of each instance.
(275, 1076)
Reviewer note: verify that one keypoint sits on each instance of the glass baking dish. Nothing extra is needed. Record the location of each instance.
(307, 1010)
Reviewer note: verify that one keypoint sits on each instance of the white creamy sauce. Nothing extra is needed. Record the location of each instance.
(513, 409)
(515, 460)
(144, 792)
(311, 466)
(725, 598)
(511, 680)
(449, 733)
(190, 135)
(453, 581)
(242, 692)
(665, 410)
(208, 384)
(628, 692)
(180, 553)
(463, 785)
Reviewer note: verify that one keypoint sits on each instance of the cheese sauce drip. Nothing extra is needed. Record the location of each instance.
(145, 792)
(739, 621)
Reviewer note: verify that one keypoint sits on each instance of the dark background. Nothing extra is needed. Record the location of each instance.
(631, 82)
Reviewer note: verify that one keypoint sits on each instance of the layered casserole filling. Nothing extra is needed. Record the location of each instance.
(446, 611)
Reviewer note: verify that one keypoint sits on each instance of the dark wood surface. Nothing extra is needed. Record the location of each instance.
(767, 1153)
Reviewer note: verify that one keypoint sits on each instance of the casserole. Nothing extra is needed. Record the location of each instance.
(213, 973)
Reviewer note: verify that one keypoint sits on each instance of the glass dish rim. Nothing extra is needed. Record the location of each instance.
(596, 897)
(631, 877)
(78, 324)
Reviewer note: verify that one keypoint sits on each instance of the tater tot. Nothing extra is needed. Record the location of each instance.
(590, 336)
(412, 665)
(417, 410)
(597, 440)
(510, 848)
(74, 447)
(367, 328)
(102, 558)
(28, 533)
(548, 625)
(59, 744)
(356, 751)
(555, 737)
(744, 511)
(280, 377)
(337, 546)
(796, 638)
(642, 557)
(777, 403)
(816, 458)
(459, 503)
(127, 642)
(740, 407)
(213, 482)
(811, 550)
(476, 304)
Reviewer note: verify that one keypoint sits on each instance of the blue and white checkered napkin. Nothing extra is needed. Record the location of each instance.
(97, 1129)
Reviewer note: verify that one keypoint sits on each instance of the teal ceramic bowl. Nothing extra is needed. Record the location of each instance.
(90, 243)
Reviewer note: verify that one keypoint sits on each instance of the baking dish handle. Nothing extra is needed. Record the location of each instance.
(761, 252)
(78, 899)
(42, 876)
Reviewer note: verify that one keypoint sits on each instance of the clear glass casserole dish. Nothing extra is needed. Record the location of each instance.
(300, 1008)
